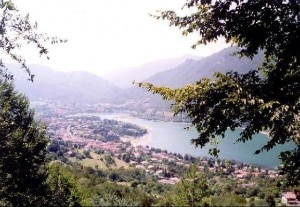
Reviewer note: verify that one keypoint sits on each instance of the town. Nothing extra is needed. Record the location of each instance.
(96, 142)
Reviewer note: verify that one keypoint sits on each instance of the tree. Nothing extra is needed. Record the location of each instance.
(23, 144)
(228, 199)
(64, 189)
(109, 160)
(192, 188)
(270, 200)
(17, 31)
(263, 99)
(22, 139)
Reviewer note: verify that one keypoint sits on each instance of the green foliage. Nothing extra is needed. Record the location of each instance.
(126, 157)
(74, 185)
(109, 160)
(228, 199)
(113, 200)
(270, 200)
(86, 154)
(269, 102)
(192, 188)
(22, 151)
(110, 194)
(65, 190)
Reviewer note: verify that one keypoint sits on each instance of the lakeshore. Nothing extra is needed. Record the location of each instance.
(173, 137)
(136, 141)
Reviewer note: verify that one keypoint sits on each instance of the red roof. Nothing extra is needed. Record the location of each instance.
(289, 195)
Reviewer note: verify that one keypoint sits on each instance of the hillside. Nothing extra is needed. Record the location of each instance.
(66, 87)
(84, 87)
(124, 77)
(110, 173)
(193, 70)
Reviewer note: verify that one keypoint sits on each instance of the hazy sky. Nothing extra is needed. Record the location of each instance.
(108, 35)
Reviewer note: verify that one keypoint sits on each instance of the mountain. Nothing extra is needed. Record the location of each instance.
(84, 87)
(68, 87)
(124, 77)
(193, 70)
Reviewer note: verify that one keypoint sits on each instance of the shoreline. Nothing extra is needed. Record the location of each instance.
(135, 141)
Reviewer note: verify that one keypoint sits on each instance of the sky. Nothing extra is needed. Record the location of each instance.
(105, 36)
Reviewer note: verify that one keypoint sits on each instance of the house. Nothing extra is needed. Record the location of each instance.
(140, 167)
(289, 198)
(71, 153)
(145, 163)
(240, 174)
(154, 160)
(170, 181)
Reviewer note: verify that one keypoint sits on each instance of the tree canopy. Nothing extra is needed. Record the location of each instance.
(192, 189)
(266, 98)
(23, 144)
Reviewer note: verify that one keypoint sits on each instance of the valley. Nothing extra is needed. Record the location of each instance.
(107, 149)
(127, 139)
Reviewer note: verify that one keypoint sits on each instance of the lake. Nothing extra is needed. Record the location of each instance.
(174, 138)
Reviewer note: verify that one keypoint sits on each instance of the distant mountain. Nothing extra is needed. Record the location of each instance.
(68, 87)
(193, 70)
(84, 87)
(124, 77)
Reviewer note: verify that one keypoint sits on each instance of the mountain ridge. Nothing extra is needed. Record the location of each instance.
(124, 77)
(85, 87)
(67, 87)
(193, 70)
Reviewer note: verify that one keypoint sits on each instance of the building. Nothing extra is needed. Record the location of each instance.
(289, 198)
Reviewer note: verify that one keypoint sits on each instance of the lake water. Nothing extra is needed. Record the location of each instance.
(174, 138)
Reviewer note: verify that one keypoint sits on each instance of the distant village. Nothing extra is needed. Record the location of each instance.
(92, 134)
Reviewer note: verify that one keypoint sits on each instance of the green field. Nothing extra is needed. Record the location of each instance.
(97, 161)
